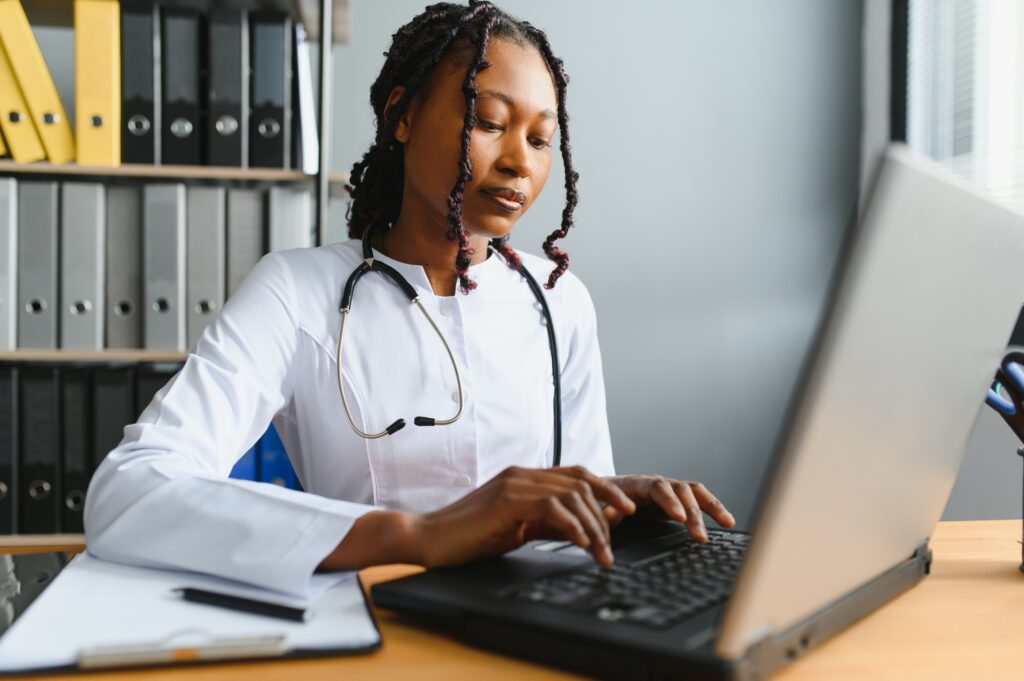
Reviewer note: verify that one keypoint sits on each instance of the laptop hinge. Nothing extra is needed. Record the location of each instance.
(774, 650)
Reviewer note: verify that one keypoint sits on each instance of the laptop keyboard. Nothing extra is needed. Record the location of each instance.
(656, 592)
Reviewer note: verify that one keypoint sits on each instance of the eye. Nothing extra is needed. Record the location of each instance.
(487, 125)
(541, 144)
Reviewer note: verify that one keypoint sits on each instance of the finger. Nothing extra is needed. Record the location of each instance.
(561, 485)
(559, 518)
(695, 519)
(590, 518)
(662, 494)
(593, 522)
(612, 515)
(604, 489)
(712, 506)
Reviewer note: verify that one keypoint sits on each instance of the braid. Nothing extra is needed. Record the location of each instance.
(377, 180)
(553, 252)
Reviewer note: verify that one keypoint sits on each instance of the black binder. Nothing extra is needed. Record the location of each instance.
(76, 436)
(113, 391)
(182, 59)
(270, 137)
(140, 82)
(40, 450)
(227, 114)
(8, 449)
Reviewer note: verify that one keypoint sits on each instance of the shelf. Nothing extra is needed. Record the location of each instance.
(169, 172)
(91, 356)
(31, 543)
(61, 12)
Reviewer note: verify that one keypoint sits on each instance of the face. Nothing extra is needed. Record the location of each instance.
(510, 145)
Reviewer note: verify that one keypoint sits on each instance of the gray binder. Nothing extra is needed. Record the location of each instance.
(246, 242)
(163, 245)
(37, 265)
(8, 263)
(124, 267)
(291, 218)
(83, 228)
(206, 258)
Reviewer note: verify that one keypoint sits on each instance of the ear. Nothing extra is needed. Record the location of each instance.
(405, 123)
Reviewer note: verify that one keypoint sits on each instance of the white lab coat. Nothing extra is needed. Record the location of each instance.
(163, 497)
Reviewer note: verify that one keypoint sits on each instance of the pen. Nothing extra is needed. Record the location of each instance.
(243, 604)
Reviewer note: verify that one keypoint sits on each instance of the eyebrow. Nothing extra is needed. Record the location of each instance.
(546, 113)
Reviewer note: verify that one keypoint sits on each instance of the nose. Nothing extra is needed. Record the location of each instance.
(516, 158)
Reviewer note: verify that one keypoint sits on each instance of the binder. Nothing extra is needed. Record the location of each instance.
(20, 134)
(246, 242)
(141, 122)
(39, 462)
(35, 82)
(9, 422)
(3, 146)
(227, 116)
(37, 264)
(182, 60)
(246, 468)
(98, 82)
(124, 268)
(83, 259)
(163, 244)
(205, 243)
(8, 263)
(291, 218)
(76, 444)
(308, 146)
(271, 121)
(113, 387)
(274, 466)
(149, 379)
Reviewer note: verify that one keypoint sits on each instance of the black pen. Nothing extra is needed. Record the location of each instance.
(243, 604)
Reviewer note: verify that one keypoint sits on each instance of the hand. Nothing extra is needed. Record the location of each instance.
(680, 500)
(519, 505)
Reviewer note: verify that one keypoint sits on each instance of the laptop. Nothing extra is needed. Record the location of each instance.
(919, 313)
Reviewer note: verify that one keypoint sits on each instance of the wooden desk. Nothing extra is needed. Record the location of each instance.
(964, 622)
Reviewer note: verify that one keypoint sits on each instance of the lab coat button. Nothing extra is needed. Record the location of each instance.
(463, 480)
(447, 310)
(455, 397)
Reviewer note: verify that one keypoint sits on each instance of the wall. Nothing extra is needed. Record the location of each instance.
(718, 151)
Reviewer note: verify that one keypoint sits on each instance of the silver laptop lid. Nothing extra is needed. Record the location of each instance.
(932, 285)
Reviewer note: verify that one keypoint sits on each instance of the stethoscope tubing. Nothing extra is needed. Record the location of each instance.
(370, 264)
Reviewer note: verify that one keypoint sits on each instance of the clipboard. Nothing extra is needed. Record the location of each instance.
(96, 614)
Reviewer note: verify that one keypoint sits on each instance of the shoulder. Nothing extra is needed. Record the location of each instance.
(569, 290)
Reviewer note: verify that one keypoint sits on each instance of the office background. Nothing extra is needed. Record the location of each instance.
(723, 148)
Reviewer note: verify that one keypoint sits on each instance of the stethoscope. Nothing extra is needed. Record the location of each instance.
(370, 264)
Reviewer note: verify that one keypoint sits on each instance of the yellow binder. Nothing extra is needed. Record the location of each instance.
(3, 147)
(98, 82)
(22, 141)
(35, 82)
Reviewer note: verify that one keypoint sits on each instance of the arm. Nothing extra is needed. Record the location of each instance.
(162, 498)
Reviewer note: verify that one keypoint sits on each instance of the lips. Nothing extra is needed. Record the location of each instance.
(507, 193)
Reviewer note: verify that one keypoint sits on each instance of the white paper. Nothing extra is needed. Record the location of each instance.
(97, 604)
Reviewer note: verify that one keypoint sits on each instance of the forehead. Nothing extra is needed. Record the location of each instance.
(519, 72)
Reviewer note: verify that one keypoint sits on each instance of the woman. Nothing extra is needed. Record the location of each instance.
(468, 103)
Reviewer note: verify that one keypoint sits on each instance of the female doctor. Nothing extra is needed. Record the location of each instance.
(468, 104)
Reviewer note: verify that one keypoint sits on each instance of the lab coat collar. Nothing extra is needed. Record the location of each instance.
(484, 273)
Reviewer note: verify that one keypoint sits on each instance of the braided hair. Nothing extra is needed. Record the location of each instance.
(376, 181)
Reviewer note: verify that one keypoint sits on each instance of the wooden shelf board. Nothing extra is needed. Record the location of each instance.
(31, 543)
(173, 172)
(92, 356)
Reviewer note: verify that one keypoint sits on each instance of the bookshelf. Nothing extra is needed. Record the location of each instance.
(318, 17)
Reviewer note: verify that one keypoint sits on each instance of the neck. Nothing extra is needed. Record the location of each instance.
(426, 245)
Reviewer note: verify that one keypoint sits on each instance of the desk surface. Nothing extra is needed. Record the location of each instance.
(964, 621)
